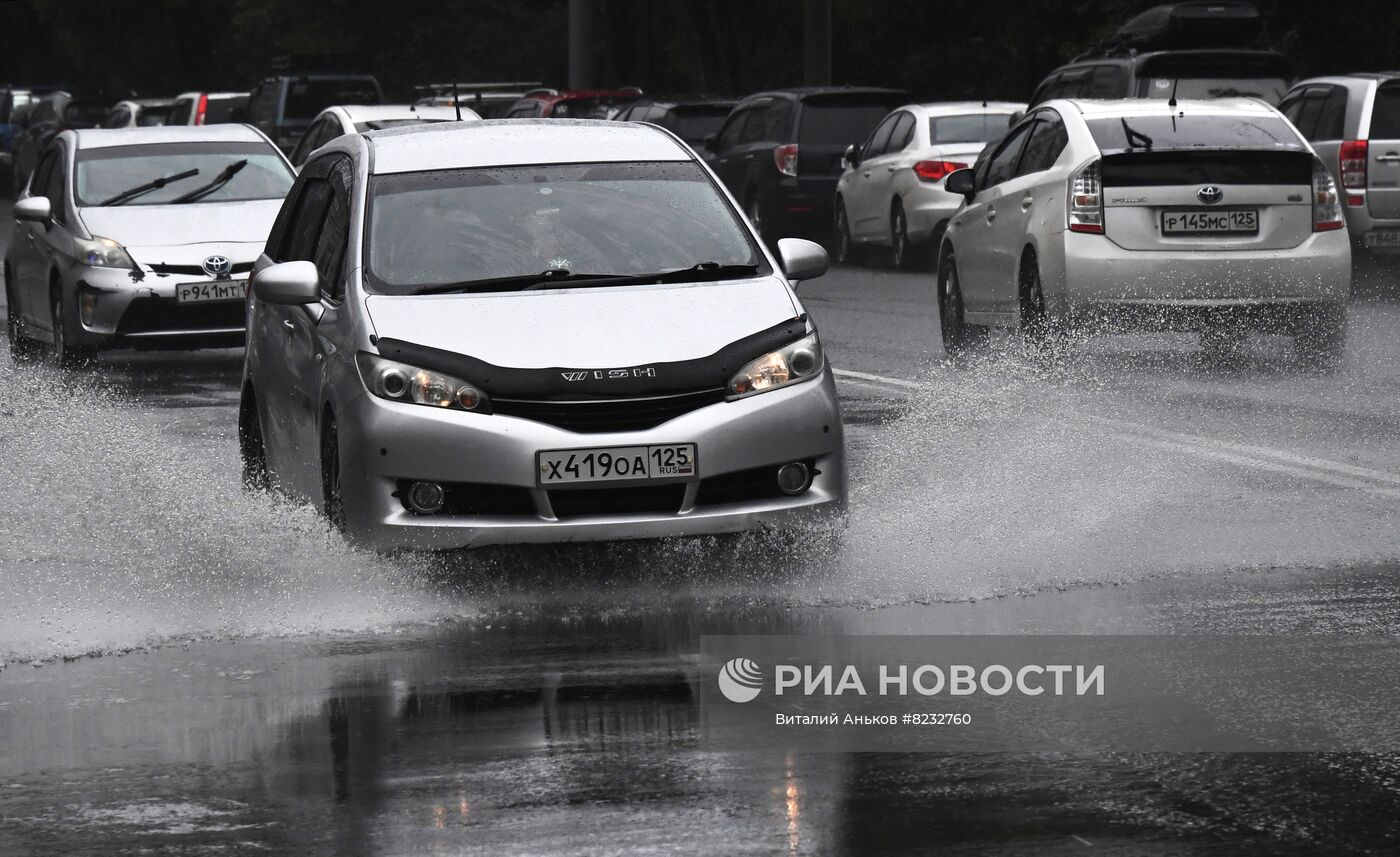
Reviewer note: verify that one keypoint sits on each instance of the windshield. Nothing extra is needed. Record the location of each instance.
(973, 128)
(151, 116)
(381, 124)
(1174, 131)
(105, 174)
(1270, 89)
(461, 226)
(308, 96)
(832, 122)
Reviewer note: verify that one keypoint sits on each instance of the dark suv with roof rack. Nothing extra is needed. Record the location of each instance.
(780, 152)
(1183, 50)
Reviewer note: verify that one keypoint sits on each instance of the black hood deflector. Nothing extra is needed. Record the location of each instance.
(599, 382)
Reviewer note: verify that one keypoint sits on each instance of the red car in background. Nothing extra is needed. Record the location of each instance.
(577, 104)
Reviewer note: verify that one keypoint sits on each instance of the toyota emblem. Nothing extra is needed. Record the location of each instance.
(217, 266)
(1210, 194)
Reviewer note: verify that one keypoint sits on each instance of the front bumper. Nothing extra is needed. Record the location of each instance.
(385, 444)
(116, 311)
(1102, 280)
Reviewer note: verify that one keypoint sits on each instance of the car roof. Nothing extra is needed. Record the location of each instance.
(951, 108)
(1099, 108)
(516, 142)
(381, 112)
(99, 138)
(1345, 78)
(805, 91)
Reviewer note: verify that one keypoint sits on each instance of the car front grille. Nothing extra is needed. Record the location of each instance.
(153, 315)
(606, 415)
(197, 270)
(636, 499)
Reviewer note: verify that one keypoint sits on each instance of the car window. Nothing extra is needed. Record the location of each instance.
(39, 180)
(972, 128)
(1331, 121)
(310, 215)
(902, 133)
(1107, 81)
(1002, 165)
(180, 113)
(1169, 132)
(329, 254)
(527, 110)
(308, 96)
(117, 118)
(1308, 113)
(1291, 105)
(151, 116)
(729, 135)
(879, 140)
(465, 225)
(1385, 113)
(1074, 83)
(1045, 144)
(55, 188)
(1049, 88)
(754, 126)
(838, 120)
(777, 121)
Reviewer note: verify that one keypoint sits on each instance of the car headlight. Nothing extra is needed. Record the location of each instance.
(101, 253)
(796, 362)
(400, 382)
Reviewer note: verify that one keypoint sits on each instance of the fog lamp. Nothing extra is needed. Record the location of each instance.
(794, 478)
(425, 498)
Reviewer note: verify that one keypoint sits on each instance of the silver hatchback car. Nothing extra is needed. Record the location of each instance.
(533, 331)
(140, 238)
(1209, 216)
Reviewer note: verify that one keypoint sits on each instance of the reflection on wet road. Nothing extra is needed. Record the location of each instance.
(284, 694)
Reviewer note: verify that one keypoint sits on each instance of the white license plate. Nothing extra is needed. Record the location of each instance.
(1202, 222)
(1382, 238)
(612, 463)
(218, 290)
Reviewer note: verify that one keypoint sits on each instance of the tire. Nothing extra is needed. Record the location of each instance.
(252, 452)
(959, 337)
(847, 251)
(333, 501)
(23, 349)
(903, 254)
(66, 354)
(1320, 340)
(1040, 331)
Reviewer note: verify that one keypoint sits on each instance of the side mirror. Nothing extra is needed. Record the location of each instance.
(802, 259)
(961, 182)
(288, 283)
(851, 157)
(34, 209)
(710, 140)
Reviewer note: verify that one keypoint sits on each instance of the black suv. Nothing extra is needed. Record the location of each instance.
(1186, 50)
(283, 106)
(780, 152)
(690, 117)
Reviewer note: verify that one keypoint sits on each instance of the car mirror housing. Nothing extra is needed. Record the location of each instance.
(802, 259)
(851, 156)
(961, 182)
(288, 283)
(34, 209)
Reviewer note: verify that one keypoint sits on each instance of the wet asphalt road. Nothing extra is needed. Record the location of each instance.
(266, 690)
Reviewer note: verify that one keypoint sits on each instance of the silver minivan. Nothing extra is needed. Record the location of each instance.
(476, 333)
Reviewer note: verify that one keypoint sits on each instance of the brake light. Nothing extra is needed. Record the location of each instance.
(1327, 207)
(1086, 199)
(936, 171)
(1352, 161)
(785, 159)
(201, 109)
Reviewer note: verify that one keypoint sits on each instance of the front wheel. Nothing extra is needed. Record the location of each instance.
(66, 353)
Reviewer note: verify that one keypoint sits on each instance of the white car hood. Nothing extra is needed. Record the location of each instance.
(598, 327)
(186, 234)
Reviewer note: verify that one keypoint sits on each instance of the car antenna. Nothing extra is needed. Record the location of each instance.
(1171, 102)
(456, 100)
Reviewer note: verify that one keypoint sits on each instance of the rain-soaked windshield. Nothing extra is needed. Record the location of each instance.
(108, 174)
(461, 226)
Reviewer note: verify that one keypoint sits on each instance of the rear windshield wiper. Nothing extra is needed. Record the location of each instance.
(142, 189)
(1136, 139)
(224, 177)
(561, 278)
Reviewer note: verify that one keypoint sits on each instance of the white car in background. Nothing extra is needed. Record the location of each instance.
(1208, 216)
(345, 119)
(891, 191)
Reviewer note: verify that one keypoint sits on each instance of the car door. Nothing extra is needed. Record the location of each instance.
(882, 171)
(52, 245)
(28, 257)
(1034, 193)
(1383, 173)
(976, 249)
(859, 193)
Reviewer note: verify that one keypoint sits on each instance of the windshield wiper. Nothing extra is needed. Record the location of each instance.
(561, 278)
(140, 190)
(223, 178)
(1136, 139)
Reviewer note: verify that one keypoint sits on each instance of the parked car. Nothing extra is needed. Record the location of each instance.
(15, 104)
(691, 118)
(359, 118)
(139, 113)
(1353, 121)
(578, 304)
(891, 191)
(283, 106)
(576, 104)
(141, 238)
(50, 115)
(1181, 51)
(1213, 216)
(487, 100)
(209, 108)
(780, 152)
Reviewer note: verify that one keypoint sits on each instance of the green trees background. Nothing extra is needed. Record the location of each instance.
(934, 48)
